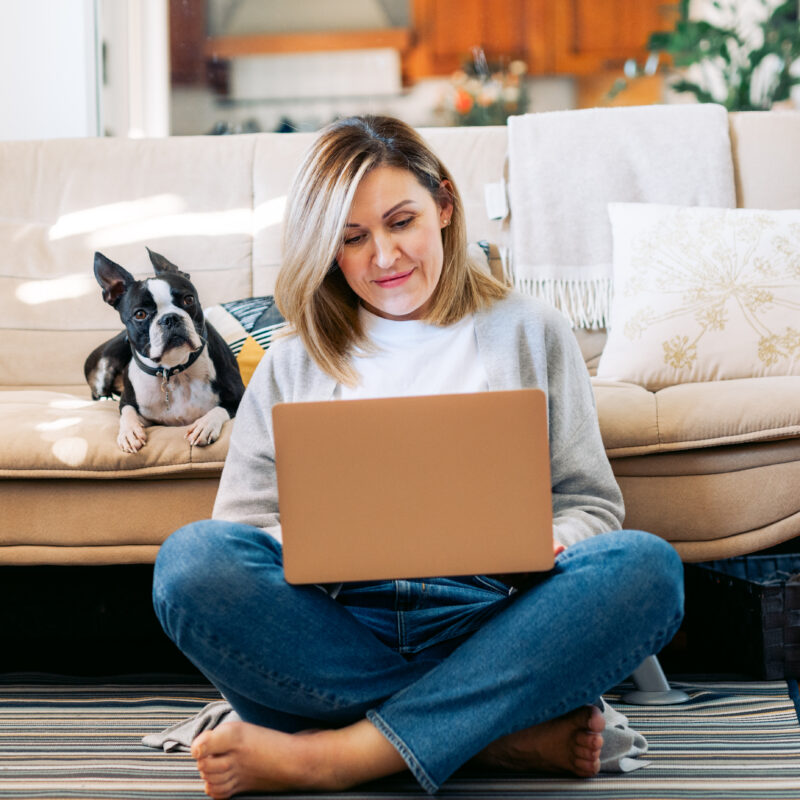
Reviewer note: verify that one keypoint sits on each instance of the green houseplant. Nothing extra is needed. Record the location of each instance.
(745, 68)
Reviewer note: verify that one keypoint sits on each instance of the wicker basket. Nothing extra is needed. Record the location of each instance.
(743, 615)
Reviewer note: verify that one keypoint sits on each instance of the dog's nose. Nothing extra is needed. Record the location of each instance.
(170, 321)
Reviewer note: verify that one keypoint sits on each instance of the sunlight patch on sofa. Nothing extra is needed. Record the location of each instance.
(207, 223)
(89, 220)
(71, 450)
(34, 293)
(269, 214)
(58, 424)
(71, 402)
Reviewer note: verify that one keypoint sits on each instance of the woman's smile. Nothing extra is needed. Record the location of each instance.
(391, 281)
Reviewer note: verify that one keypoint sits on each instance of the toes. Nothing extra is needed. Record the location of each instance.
(220, 776)
(585, 753)
(589, 740)
(210, 766)
(595, 722)
(220, 789)
(218, 741)
(199, 746)
(586, 768)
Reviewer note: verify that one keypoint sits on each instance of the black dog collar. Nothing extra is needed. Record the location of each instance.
(167, 372)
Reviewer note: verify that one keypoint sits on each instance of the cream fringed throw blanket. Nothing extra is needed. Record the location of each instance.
(566, 166)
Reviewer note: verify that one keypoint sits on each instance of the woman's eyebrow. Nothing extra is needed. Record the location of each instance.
(395, 207)
(386, 214)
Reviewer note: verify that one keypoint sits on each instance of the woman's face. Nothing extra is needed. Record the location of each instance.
(392, 254)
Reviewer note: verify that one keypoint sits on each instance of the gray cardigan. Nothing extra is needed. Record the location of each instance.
(523, 344)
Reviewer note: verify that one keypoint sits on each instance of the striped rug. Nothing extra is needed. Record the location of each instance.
(81, 740)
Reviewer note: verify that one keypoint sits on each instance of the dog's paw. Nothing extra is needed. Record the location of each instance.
(132, 440)
(206, 429)
(132, 437)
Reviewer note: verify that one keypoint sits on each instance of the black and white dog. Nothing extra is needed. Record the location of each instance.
(169, 366)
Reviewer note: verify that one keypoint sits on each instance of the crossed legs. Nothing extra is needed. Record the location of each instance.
(514, 695)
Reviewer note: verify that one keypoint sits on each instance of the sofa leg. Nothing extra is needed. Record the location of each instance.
(652, 687)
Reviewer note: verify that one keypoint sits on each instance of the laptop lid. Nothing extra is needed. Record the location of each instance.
(414, 487)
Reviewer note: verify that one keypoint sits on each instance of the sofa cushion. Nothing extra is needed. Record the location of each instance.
(715, 502)
(50, 434)
(248, 326)
(96, 521)
(702, 294)
(765, 148)
(635, 421)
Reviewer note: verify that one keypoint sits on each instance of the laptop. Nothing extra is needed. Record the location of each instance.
(414, 487)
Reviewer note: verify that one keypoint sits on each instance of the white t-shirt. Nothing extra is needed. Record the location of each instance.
(416, 358)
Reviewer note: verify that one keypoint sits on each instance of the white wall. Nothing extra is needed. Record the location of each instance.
(135, 95)
(48, 69)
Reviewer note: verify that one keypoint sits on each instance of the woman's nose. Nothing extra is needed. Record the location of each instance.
(385, 251)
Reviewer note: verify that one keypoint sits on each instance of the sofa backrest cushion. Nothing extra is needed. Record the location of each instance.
(765, 157)
(60, 201)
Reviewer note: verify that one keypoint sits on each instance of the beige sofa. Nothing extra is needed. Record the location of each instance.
(711, 467)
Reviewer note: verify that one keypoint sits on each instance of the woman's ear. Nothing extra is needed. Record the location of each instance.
(445, 202)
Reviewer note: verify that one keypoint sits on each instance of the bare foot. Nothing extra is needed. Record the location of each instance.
(571, 744)
(239, 757)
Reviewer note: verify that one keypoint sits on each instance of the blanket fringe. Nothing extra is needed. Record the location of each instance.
(586, 304)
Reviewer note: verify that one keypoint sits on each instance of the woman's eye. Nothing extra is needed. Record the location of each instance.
(188, 300)
(354, 239)
(140, 314)
(402, 223)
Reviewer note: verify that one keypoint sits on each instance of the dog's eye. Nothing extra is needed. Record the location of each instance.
(140, 314)
(188, 300)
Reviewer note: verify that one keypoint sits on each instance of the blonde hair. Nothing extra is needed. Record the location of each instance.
(311, 292)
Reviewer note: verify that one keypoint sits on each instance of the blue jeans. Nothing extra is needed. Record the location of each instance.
(441, 667)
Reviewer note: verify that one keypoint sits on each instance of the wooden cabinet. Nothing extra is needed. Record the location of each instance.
(554, 37)
(594, 35)
(446, 31)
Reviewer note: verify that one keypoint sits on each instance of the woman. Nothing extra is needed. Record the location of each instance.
(340, 685)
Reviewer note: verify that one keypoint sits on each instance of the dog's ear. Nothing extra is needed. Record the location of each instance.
(161, 264)
(113, 278)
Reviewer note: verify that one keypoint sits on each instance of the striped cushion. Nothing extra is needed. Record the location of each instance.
(248, 326)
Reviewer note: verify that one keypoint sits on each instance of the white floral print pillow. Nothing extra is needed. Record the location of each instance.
(702, 294)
